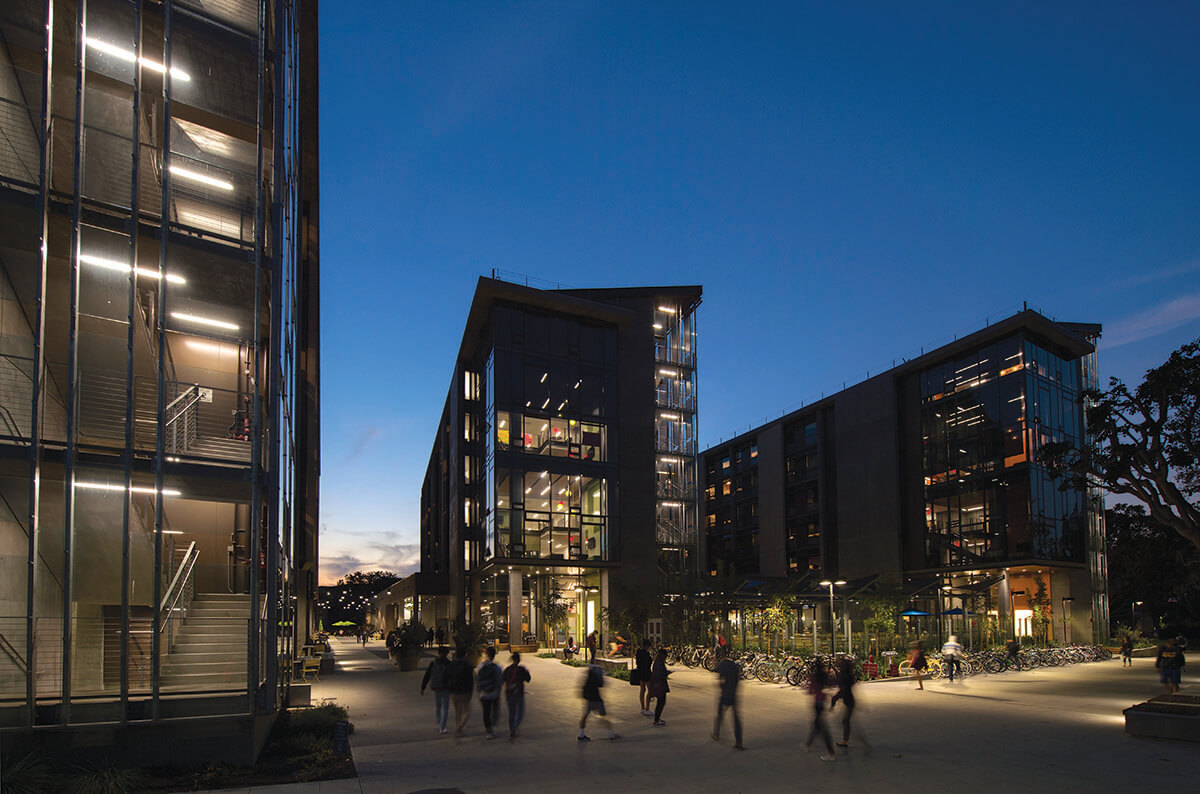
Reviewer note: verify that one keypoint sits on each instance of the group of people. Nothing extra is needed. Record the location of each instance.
(454, 681)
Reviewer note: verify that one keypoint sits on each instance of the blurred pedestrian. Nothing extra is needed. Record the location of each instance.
(440, 636)
(658, 685)
(847, 676)
(515, 677)
(488, 679)
(1127, 651)
(818, 681)
(437, 679)
(593, 703)
(1169, 664)
(592, 643)
(951, 657)
(1013, 647)
(918, 663)
(461, 682)
(729, 676)
(641, 668)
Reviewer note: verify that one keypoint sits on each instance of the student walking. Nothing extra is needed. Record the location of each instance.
(918, 662)
(1013, 647)
(593, 703)
(846, 678)
(641, 667)
(489, 678)
(729, 676)
(1127, 651)
(436, 678)
(818, 681)
(658, 685)
(952, 655)
(460, 681)
(1169, 664)
(515, 677)
(592, 643)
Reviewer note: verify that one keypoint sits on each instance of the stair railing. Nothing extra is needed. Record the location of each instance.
(179, 595)
(13, 654)
(181, 419)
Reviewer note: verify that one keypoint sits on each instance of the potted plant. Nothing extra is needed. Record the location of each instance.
(468, 638)
(408, 647)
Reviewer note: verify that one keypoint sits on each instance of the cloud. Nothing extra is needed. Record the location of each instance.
(1158, 275)
(364, 440)
(1153, 321)
(402, 559)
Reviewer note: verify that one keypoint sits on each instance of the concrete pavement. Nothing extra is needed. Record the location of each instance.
(1046, 730)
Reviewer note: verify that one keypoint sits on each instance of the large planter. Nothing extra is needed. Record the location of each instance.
(407, 659)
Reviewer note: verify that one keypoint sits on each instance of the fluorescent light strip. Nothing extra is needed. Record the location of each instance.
(121, 267)
(666, 309)
(192, 318)
(100, 486)
(196, 176)
(129, 57)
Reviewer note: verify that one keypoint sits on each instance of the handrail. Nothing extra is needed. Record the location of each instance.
(13, 654)
(192, 396)
(180, 584)
(9, 421)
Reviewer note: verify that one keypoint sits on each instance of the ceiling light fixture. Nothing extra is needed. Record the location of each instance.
(204, 179)
(666, 309)
(192, 318)
(121, 267)
(100, 486)
(129, 57)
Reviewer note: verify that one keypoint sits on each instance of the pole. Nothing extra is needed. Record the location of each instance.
(832, 625)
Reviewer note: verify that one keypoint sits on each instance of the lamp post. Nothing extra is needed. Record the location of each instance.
(1065, 599)
(832, 626)
(1133, 613)
(1012, 605)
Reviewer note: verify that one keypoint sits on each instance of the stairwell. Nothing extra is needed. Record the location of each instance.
(210, 649)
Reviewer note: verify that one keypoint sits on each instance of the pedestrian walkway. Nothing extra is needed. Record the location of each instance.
(1059, 727)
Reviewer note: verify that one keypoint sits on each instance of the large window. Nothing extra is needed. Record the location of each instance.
(549, 515)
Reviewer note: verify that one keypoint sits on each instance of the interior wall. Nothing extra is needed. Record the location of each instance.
(210, 525)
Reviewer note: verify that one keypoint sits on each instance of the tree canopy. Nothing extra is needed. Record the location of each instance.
(1143, 443)
(1148, 562)
(377, 579)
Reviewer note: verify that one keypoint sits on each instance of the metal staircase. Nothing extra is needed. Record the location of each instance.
(209, 649)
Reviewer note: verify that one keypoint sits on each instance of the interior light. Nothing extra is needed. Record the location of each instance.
(129, 57)
(658, 326)
(203, 347)
(562, 404)
(100, 486)
(669, 416)
(547, 424)
(666, 309)
(121, 267)
(192, 318)
(172, 532)
(204, 179)
(669, 372)
(544, 375)
(578, 382)
(547, 402)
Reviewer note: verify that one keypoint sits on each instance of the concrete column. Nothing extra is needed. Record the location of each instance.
(514, 608)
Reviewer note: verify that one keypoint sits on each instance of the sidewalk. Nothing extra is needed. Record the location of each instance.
(1054, 728)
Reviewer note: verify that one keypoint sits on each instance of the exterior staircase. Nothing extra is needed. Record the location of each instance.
(210, 649)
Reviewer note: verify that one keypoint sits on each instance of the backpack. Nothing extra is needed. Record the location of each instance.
(489, 679)
(437, 674)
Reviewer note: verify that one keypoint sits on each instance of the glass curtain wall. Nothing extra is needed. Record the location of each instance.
(675, 392)
(147, 233)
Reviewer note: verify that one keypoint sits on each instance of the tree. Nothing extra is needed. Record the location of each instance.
(776, 616)
(376, 579)
(1039, 604)
(1150, 563)
(1143, 443)
(553, 608)
(883, 610)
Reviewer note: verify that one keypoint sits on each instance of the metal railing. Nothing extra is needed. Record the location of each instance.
(179, 595)
(13, 654)
(180, 428)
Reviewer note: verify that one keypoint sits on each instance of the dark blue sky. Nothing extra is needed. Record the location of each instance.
(848, 182)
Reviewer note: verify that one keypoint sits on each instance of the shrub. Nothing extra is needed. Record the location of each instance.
(106, 779)
(31, 774)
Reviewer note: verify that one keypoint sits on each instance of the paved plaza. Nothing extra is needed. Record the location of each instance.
(1045, 730)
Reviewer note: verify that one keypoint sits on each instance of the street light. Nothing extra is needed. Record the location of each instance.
(832, 625)
(1133, 613)
(1064, 614)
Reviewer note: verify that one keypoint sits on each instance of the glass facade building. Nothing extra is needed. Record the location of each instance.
(565, 460)
(158, 364)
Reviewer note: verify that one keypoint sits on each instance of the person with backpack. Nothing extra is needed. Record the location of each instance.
(488, 679)
(436, 679)
(460, 680)
(515, 676)
(594, 703)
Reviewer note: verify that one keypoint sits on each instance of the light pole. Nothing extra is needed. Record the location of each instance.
(1064, 614)
(1133, 613)
(1012, 604)
(832, 626)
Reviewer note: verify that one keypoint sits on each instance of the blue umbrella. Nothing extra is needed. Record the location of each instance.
(915, 613)
(956, 611)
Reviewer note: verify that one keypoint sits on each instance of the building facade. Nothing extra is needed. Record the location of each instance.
(565, 457)
(927, 476)
(159, 380)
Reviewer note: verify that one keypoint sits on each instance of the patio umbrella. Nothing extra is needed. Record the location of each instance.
(915, 613)
(345, 623)
(956, 611)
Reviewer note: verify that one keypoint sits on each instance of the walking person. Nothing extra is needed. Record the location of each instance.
(440, 635)
(658, 685)
(641, 667)
(952, 656)
(1169, 664)
(918, 662)
(592, 643)
(1127, 651)
(593, 703)
(488, 679)
(437, 679)
(729, 676)
(1013, 647)
(818, 682)
(515, 677)
(460, 680)
(846, 678)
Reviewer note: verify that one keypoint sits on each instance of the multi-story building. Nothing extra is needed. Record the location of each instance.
(565, 457)
(927, 476)
(158, 371)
